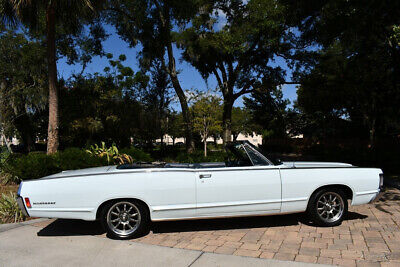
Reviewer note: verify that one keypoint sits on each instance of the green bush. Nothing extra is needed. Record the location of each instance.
(8, 179)
(30, 166)
(9, 210)
(74, 158)
(35, 165)
(3, 155)
(137, 154)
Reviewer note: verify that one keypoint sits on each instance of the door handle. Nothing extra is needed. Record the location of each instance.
(204, 176)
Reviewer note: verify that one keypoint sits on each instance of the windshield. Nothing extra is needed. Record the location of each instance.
(244, 154)
(255, 156)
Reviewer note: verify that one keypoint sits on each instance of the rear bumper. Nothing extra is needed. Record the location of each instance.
(21, 205)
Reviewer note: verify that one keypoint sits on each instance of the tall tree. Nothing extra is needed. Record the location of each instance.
(354, 71)
(157, 99)
(241, 122)
(22, 87)
(152, 23)
(104, 107)
(268, 112)
(175, 126)
(241, 53)
(205, 113)
(47, 18)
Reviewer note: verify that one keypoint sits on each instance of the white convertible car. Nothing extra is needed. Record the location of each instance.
(126, 198)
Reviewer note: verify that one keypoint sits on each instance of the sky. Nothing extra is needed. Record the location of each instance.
(189, 77)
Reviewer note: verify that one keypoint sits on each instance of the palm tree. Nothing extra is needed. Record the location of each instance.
(43, 17)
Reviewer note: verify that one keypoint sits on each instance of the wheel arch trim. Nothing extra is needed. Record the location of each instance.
(111, 199)
(347, 187)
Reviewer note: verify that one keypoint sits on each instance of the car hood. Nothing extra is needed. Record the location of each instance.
(315, 164)
(88, 171)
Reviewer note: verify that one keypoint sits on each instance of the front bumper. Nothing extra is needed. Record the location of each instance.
(21, 205)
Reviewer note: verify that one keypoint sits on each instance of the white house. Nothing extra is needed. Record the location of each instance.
(254, 138)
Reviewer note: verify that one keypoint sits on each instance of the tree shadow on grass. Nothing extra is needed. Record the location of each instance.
(63, 227)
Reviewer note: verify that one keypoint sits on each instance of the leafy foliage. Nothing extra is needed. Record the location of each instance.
(9, 210)
(23, 96)
(205, 118)
(110, 153)
(137, 154)
(240, 52)
(75, 158)
(19, 167)
(354, 73)
(268, 111)
(31, 166)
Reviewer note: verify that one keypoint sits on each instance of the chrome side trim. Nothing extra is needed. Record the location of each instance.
(61, 210)
(218, 205)
(367, 193)
(193, 170)
(270, 213)
(294, 199)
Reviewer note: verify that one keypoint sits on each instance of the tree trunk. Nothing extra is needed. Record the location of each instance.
(227, 119)
(3, 86)
(372, 130)
(205, 147)
(8, 145)
(52, 136)
(182, 99)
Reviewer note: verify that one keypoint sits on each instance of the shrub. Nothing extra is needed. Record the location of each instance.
(9, 210)
(4, 154)
(74, 158)
(111, 153)
(8, 179)
(137, 154)
(35, 165)
(30, 166)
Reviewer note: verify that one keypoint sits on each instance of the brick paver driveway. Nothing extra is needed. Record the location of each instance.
(370, 236)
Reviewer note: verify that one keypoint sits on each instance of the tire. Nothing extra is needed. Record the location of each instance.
(328, 207)
(125, 219)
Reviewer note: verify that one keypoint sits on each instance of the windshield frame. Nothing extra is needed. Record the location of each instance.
(249, 149)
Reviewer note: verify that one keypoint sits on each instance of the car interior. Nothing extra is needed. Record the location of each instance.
(239, 154)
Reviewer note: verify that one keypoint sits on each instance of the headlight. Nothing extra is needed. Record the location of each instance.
(380, 180)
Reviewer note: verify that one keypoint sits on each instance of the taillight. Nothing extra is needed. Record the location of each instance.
(28, 203)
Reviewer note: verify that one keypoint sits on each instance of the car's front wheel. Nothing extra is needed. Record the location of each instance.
(125, 219)
(328, 207)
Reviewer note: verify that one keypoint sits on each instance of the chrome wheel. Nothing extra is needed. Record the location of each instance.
(330, 207)
(123, 218)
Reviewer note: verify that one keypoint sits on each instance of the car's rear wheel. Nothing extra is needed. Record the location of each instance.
(328, 207)
(125, 219)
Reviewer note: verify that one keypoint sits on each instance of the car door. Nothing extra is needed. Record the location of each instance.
(233, 191)
(172, 193)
